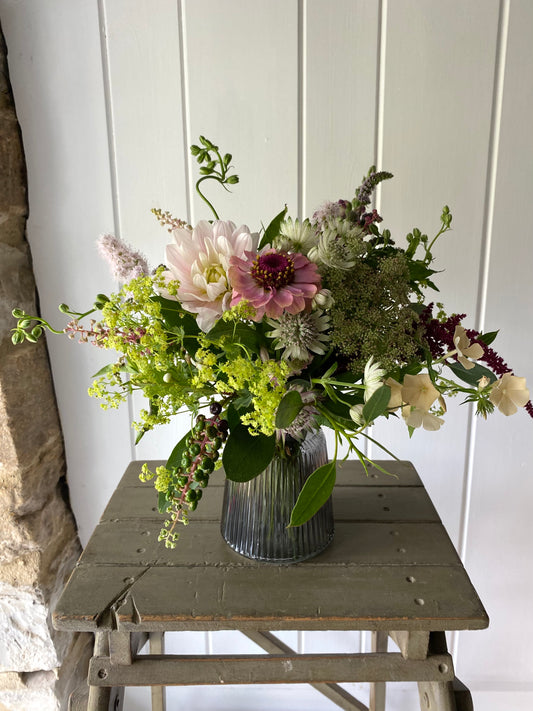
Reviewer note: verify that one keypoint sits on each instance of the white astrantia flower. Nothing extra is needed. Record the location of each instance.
(509, 393)
(296, 236)
(417, 417)
(356, 413)
(323, 300)
(465, 349)
(300, 334)
(372, 378)
(419, 391)
(332, 247)
(199, 260)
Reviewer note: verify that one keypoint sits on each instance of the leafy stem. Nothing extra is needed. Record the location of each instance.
(213, 166)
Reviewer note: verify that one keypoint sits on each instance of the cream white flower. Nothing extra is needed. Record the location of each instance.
(465, 349)
(332, 248)
(200, 260)
(418, 390)
(417, 417)
(356, 413)
(372, 378)
(395, 393)
(509, 393)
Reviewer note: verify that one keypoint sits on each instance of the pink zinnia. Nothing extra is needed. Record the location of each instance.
(274, 282)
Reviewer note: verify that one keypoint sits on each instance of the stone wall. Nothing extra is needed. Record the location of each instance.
(38, 539)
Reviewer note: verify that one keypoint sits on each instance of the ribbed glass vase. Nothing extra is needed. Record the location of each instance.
(255, 514)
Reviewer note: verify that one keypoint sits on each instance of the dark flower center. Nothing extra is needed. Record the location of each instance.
(273, 269)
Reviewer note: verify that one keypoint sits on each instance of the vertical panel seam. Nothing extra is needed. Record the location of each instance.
(381, 42)
(185, 110)
(111, 148)
(380, 92)
(301, 112)
(484, 268)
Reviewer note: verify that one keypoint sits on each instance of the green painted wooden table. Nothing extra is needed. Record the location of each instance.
(391, 569)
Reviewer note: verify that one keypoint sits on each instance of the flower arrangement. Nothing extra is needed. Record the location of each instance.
(263, 337)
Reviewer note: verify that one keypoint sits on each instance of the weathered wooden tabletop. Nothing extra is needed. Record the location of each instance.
(390, 566)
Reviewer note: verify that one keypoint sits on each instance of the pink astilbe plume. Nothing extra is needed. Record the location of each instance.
(125, 263)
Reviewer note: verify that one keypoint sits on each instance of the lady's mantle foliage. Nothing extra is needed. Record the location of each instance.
(316, 322)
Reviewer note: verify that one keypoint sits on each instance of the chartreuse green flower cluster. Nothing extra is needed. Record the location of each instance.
(266, 383)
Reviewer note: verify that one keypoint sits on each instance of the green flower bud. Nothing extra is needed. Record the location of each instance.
(232, 180)
(17, 337)
(24, 322)
(64, 308)
(36, 332)
(167, 378)
(18, 313)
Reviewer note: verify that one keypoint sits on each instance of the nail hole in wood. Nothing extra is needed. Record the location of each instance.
(102, 674)
(419, 601)
(410, 579)
(141, 550)
(128, 581)
(386, 508)
(401, 550)
(395, 533)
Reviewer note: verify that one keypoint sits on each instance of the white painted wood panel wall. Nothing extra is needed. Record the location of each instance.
(306, 95)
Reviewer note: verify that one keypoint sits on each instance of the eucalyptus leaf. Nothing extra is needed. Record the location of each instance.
(272, 230)
(316, 491)
(290, 406)
(377, 404)
(245, 455)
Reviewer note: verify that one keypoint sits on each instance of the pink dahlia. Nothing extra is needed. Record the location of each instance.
(200, 260)
(274, 282)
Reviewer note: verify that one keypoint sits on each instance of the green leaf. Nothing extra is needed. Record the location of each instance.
(175, 457)
(473, 375)
(316, 491)
(232, 333)
(289, 407)
(245, 455)
(162, 502)
(272, 230)
(377, 404)
(487, 338)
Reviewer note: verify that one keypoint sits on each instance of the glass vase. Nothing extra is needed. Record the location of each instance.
(255, 514)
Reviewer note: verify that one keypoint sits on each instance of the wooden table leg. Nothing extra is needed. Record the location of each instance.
(157, 646)
(378, 688)
(100, 696)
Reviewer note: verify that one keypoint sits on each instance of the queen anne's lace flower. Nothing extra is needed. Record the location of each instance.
(509, 393)
(274, 282)
(200, 261)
